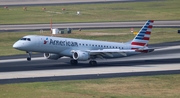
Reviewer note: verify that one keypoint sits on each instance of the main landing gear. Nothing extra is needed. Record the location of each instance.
(74, 62)
(29, 56)
(91, 62)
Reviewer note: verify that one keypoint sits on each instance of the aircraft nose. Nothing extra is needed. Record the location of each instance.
(16, 45)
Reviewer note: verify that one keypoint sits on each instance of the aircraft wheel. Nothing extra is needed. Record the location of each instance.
(28, 59)
(93, 63)
(29, 56)
(74, 62)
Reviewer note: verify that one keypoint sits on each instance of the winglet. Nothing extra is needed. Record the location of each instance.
(143, 36)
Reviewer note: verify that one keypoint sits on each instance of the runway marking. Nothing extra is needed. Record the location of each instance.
(19, 60)
(88, 71)
(96, 70)
(24, 59)
(168, 48)
(159, 57)
(165, 56)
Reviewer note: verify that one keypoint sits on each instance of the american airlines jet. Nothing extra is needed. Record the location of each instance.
(83, 50)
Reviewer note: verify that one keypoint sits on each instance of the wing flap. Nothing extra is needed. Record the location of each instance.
(109, 52)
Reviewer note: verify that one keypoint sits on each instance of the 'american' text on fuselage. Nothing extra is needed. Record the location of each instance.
(63, 43)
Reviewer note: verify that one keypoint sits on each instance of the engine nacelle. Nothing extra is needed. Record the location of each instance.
(52, 56)
(81, 56)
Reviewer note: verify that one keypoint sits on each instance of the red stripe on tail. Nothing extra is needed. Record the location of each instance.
(146, 38)
(148, 32)
(138, 43)
(150, 26)
(152, 21)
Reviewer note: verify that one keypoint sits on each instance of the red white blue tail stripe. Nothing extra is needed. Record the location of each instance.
(142, 38)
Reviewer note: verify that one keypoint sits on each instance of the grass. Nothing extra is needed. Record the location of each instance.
(163, 86)
(7, 40)
(158, 35)
(129, 11)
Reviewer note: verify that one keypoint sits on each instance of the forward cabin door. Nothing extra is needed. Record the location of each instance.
(40, 41)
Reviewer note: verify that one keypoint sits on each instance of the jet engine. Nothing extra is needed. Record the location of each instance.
(52, 56)
(81, 56)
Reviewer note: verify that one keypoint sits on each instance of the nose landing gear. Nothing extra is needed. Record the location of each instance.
(29, 56)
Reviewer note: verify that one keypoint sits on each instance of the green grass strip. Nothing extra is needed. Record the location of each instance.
(127, 11)
(163, 86)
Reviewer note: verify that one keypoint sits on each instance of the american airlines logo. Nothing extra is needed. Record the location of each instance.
(63, 43)
(45, 41)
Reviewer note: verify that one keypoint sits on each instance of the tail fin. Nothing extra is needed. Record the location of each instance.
(143, 36)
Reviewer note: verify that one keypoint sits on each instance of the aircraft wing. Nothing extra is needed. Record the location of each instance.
(109, 52)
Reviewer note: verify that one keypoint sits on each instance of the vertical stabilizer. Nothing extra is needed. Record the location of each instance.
(143, 36)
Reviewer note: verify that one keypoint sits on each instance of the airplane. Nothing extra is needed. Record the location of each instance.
(84, 50)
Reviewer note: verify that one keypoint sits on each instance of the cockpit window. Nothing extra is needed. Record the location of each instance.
(28, 39)
(23, 39)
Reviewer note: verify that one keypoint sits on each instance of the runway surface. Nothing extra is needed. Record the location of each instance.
(165, 60)
(58, 2)
(170, 24)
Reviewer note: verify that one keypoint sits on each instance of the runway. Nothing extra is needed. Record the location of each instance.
(165, 60)
(58, 2)
(30, 27)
